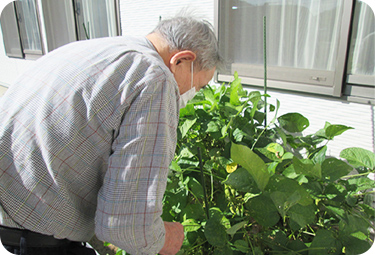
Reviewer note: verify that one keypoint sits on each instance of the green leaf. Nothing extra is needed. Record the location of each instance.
(302, 215)
(188, 163)
(186, 153)
(193, 211)
(291, 189)
(175, 199)
(288, 155)
(184, 128)
(241, 180)
(355, 246)
(188, 110)
(233, 230)
(242, 246)
(223, 250)
(209, 96)
(333, 169)
(196, 188)
(174, 166)
(361, 184)
(359, 235)
(236, 88)
(298, 247)
(335, 130)
(263, 210)
(353, 224)
(191, 225)
(359, 157)
(189, 241)
(276, 148)
(319, 155)
(284, 200)
(244, 156)
(307, 168)
(255, 97)
(324, 242)
(335, 192)
(367, 208)
(330, 131)
(214, 231)
(337, 211)
(238, 135)
(290, 172)
(278, 241)
(277, 110)
(230, 110)
(212, 127)
(353, 230)
(293, 122)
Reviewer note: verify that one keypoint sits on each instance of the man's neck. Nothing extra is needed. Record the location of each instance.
(161, 47)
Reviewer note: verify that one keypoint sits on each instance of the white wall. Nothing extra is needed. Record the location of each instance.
(10, 68)
(140, 17)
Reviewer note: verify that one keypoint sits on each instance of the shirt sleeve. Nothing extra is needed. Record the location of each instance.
(130, 200)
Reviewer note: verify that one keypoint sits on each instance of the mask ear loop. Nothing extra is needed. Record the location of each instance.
(192, 75)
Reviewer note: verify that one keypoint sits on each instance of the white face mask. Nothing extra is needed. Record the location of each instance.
(188, 95)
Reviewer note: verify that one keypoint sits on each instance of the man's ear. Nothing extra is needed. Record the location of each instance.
(181, 57)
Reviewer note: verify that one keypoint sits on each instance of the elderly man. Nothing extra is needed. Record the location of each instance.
(87, 135)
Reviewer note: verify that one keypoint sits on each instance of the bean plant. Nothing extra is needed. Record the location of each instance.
(240, 186)
(243, 186)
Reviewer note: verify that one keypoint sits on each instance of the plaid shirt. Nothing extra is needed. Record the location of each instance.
(86, 138)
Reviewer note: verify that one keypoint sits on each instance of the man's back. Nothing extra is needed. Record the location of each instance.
(68, 119)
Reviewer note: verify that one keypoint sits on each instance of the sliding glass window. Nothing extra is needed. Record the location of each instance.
(29, 27)
(32, 27)
(361, 61)
(306, 42)
(20, 19)
(95, 18)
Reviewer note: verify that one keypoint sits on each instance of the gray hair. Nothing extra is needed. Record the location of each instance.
(188, 33)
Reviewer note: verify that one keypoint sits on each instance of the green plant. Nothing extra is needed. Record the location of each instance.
(241, 188)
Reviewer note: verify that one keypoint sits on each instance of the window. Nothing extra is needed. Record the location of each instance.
(12, 40)
(28, 23)
(59, 23)
(361, 62)
(95, 18)
(53, 23)
(20, 25)
(307, 42)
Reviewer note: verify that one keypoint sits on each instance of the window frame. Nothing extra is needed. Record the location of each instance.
(359, 87)
(81, 34)
(49, 27)
(32, 54)
(66, 29)
(16, 31)
(12, 42)
(335, 85)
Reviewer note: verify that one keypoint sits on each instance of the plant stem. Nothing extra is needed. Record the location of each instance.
(86, 30)
(356, 175)
(364, 193)
(211, 174)
(249, 242)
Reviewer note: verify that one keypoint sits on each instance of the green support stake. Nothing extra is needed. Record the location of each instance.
(265, 68)
(203, 182)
